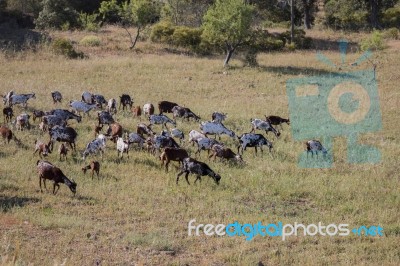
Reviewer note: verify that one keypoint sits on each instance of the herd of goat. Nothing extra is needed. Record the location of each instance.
(55, 122)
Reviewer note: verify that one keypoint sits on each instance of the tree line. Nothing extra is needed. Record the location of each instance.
(206, 25)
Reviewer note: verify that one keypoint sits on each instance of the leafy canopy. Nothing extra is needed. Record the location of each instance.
(228, 22)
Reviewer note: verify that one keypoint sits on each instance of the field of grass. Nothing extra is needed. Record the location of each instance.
(136, 214)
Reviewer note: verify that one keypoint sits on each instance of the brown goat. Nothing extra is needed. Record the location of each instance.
(6, 133)
(7, 114)
(166, 107)
(63, 151)
(277, 120)
(38, 114)
(94, 166)
(225, 153)
(42, 148)
(48, 171)
(172, 154)
(114, 131)
(136, 111)
(97, 129)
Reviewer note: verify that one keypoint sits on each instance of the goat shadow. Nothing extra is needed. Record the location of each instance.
(7, 203)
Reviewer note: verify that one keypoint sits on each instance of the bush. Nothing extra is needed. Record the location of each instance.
(300, 39)
(110, 11)
(64, 47)
(373, 42)
(391, 16)
(57, 14)
(90, 40)
(162, 32)
(186, 37)
(88, 22)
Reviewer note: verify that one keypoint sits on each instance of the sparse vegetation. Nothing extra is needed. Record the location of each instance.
(90, 40)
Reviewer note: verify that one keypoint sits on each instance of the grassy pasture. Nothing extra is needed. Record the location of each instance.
(137, 215)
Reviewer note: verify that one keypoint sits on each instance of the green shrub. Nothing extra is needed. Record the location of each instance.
(64, 47)
(263, 41)
(90, 40)
(57, 14)
(374, 41)
(392, 33)
(391, 16)
(110, 11)
(300, 39)
(89, 22)
(162, 32)
(186, 37)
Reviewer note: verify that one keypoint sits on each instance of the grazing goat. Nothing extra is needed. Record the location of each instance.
(54, 120)
(161, 120)
(143, 129)
(42, 148)
(96, 145)
(8, 114)
(148, 109)
(218, 117)
(6, 133)
(194, 136)
(57, 97)
(112, 106)
(122, 147)
(205, 144)
(114, 131)
(79, 107)
(163, 141)
(21, 99)
(198, 168)
(213, 128)
(263, 125)
(6, 98)
(87, 97)
(125, 100)
(65, 115)
(253, 140)
(172, 154)
(97, 129)
(136, 138)
(179, 111)
(94, 166)
(43, 127)
(38, 114)
(176, 133)
(99, 99)
(48, 171)
(315, 146)
(63, 134)
(63, 151)
(22, 121)
(166, 107)
(276, 120)
(105, 118)
(224, 153)
(136, 111)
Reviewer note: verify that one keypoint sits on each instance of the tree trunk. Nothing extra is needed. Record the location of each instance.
(133, 42)
(229, 53)
(374, 9)
(307, 14)
(291, 22)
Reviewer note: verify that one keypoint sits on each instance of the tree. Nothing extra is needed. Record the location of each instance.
(139, 13)
(228, 24)
(56, 13)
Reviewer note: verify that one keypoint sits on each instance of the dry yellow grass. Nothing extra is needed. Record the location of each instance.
(137, 215)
